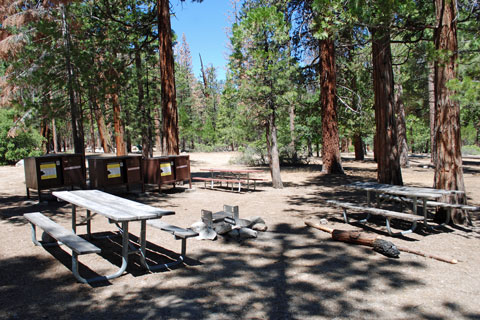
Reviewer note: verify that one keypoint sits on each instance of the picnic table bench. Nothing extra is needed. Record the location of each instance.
(117, 210)
(233, 176)
(77, 244)
(377, 211)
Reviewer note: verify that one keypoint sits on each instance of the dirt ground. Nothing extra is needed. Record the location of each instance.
(291, 271)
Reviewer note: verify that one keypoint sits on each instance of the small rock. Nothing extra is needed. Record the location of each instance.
(323, 221)
(258, 224)
(246, 233)
(260, 227)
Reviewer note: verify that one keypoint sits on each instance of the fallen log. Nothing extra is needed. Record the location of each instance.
(380, 245)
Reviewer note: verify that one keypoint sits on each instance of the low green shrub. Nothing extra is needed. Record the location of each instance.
(26, 143)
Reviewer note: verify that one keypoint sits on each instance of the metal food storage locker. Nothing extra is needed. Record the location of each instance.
(167, 170)
(113, 171)
(54, 171)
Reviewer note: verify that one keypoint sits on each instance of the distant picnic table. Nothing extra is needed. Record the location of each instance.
(232, 176)
(426, 197)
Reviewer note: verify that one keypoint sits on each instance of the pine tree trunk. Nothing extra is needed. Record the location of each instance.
(268, 138)
(359, 148)
(92, 127)
(158, 130)
(75, 112)
(127, 133)
(44, 133)
(293, 144)
(431, 104)
(448, 162)
(101, 127)
(118, 127)
(386, 149)
(169, 105)
(331, 159)
(401, 126)
(54, 133)
(142, 109)
(274, 156)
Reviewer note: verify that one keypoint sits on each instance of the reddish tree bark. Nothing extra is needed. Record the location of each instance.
(101, 127)
(359, 148)
(386, 150)
(431, 104)
(448, 156)
(118, 127)
(170, 143)
(331, 159)
(158, 129)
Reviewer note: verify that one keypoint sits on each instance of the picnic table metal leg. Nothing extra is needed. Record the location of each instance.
(74, 218)
(43, 243)
(390, 232)
(86, 221)
(34, 235)
(143, 247)
(121, 270)
(424, 211)
(89, 225)
(345, 216)
(415, 206)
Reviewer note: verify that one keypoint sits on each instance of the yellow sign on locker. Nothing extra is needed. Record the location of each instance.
(166, 169)
(49, 170)
(114, 170)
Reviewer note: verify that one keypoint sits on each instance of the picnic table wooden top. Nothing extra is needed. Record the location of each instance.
(408, 191)
(231, 170)
(112, 207)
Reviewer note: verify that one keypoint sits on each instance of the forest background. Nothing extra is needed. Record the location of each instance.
(298, 71)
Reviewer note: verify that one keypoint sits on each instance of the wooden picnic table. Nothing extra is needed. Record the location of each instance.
(416, 194)
(119, 211)
(230, 176)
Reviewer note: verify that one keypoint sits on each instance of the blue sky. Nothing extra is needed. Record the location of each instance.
(204, 25)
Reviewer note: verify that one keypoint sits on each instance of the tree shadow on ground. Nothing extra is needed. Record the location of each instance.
(111, 245)
(275, 276)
